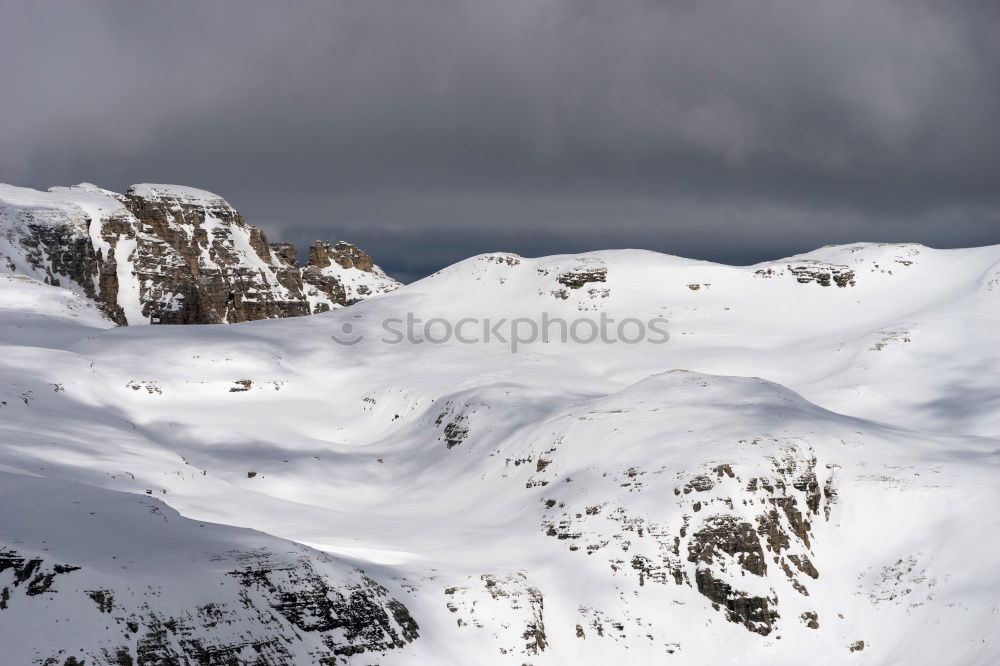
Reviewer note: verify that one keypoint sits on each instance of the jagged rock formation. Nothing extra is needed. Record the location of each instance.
(341, 273)
(167, 254)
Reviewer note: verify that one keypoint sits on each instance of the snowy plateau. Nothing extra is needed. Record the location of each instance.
(806, 472)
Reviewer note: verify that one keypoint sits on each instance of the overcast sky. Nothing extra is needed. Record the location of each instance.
(431, 130)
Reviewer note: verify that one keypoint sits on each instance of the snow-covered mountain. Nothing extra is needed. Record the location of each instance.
(806, 471)
(168, 254)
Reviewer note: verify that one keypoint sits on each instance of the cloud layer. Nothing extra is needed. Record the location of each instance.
(434, 129)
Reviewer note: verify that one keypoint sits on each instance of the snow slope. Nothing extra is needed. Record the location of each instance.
(805, 471)
(129, 577)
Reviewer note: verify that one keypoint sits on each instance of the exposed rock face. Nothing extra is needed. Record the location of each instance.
(715, 548)
(55, 241)
(341, 274)
(577, 278)
(323, 254)
(168, 254)
(808, 271)
(198, 261)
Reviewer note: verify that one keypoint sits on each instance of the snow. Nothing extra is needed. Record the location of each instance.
(182, 193)
(115, 544)
(129, 289)
(886, 390)
(59, 202)
(26, 198)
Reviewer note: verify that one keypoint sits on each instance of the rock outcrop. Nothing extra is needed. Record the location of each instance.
(167, 254)
(341, 274)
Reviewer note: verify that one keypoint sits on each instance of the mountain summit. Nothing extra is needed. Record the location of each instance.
(169, 254)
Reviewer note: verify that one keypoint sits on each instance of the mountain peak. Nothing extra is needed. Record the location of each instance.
(172, 254)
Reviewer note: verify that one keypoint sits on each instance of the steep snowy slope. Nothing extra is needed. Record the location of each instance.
(169, 254)
(134, 582)
(805, 471)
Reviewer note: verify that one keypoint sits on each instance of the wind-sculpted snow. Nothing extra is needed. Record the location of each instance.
(806, 471)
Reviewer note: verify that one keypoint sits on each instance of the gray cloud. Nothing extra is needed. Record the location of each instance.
(433, 129)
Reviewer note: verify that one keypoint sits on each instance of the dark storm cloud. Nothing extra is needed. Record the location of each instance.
(429, 130)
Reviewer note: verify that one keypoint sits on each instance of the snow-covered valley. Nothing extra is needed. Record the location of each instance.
(805, 472)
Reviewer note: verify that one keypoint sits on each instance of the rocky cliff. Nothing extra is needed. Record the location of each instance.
(168, 254)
